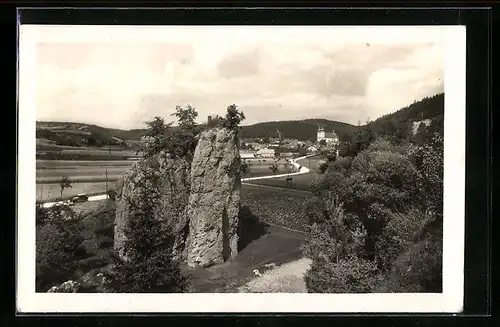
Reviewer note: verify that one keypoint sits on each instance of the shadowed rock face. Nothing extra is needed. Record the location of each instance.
(173, 186)
(214, 200)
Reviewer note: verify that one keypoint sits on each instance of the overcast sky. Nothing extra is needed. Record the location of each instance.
(118, 77)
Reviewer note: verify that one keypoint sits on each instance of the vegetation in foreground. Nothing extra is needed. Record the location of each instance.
(376, 221)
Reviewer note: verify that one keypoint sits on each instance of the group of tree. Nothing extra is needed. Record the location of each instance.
(376, 220)
(180, 141)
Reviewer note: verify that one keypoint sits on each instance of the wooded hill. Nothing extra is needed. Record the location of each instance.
(302, 130)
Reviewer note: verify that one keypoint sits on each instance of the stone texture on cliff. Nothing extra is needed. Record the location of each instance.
(173, 185)
(214, 200)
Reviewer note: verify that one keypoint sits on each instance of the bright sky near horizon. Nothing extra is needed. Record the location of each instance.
(122, 76)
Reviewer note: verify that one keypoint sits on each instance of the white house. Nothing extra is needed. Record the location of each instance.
(330, 137)
(265, 153)
(247, 155)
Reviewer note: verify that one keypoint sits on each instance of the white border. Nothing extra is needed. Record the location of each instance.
(451, 300)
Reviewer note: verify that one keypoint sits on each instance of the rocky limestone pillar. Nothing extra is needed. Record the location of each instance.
(214, 200)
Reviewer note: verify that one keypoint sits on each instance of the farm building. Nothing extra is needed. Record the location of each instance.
(265, 153)
(247, 155)
(312, 149)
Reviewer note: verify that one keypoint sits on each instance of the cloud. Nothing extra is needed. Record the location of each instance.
(239, 65)
(124, 83)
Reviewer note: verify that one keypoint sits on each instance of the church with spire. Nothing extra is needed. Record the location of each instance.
(331, 138)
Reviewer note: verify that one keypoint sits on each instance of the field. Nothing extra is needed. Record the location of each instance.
(276, 206)
(299, 182)
(89, 176)
(52, 191)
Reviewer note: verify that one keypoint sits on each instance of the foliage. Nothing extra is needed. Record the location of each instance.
(375, 183)
(274, 168)
(398, 236)
(148, 264)
(348, 275)
(58, 235)
(233, 118)
(186, 117)
(112, 195)
(419, 269)
(64, 183)
(429, 161)
(334, 244)
(244, 167)
(394, 189)
(177, 142)
(363, 138)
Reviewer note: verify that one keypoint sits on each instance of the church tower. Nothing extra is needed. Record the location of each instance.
(321, 133)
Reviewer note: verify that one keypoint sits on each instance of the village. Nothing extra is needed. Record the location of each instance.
(327, 142)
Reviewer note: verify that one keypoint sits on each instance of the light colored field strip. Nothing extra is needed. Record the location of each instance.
(303, 170)
(278, 188)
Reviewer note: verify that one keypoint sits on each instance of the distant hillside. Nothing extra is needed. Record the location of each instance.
(428, 109)
(79, 134)
(297, 129)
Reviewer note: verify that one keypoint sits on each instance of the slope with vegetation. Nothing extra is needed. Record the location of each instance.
(376, 220)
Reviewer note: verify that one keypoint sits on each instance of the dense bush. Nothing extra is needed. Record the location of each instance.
(336, 247)
(419, 269)
(393, 190)
(349, 275)
(58, 236)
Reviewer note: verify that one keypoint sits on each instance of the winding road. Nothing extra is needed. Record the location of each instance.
(302, 170)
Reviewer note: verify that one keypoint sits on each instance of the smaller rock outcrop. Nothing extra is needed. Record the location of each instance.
(172, 183)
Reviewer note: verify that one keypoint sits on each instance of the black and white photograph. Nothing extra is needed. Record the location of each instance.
(241, 168)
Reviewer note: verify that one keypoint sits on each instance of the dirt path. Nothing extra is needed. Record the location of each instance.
(277, 246)
(287, 278)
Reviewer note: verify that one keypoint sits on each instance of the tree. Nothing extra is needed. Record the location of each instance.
(274, 168)
(154, 139)
(322, 143)
(233, 118)
(177, 142)
(148, 265)
(245, 167)
(186, 116)
(64, 183)
(334, 244)
(363, 138)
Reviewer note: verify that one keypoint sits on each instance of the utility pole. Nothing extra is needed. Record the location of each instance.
(109, 155)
